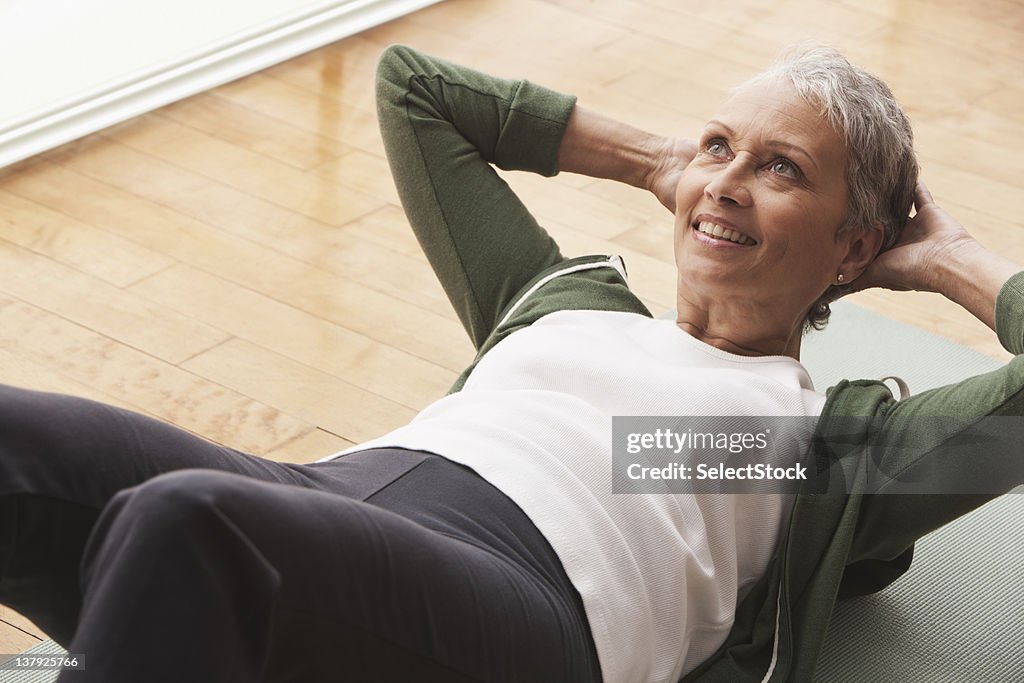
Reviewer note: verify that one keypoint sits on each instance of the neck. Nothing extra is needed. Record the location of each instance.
(748, 328)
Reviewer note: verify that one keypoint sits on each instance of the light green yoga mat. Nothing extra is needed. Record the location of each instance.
(958, 614)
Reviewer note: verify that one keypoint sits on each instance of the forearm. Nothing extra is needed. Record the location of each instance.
(972, 276)
(600, 147)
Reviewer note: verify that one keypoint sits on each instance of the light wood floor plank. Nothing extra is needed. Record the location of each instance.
(341, 75)
(387, 227)
(361, 171)
(312, 445)
(167, 391)
(665, 24)
(827, 21)
(13, 619)
(301, 336)
(242, 127)
(438, 338)
(346, 123)
(248, 172)
(498, 30)
(254, 237)
(15, 640)
(550, 200)
(100, 254)
(713, 69)
(312, 395)
(20, 371)
(986, 195)
(977, 26)
(94, 304)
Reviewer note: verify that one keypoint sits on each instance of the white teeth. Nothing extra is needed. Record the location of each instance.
(716, 230)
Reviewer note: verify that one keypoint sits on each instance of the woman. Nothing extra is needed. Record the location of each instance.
(509, 558)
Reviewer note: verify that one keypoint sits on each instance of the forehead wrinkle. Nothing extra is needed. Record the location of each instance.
(771, 143)
(785, 116)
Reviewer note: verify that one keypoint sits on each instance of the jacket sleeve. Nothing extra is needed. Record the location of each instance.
(934, 439)
(443, 127)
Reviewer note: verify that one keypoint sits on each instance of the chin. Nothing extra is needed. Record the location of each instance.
(709, 277)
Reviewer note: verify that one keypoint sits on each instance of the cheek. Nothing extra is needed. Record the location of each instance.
(688, 191)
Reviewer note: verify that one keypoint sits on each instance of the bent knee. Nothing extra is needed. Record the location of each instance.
(180, 496)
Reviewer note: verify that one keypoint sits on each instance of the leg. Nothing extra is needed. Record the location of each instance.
(208, 576)
(61, 460)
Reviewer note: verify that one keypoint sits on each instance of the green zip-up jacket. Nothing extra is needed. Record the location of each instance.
(444, 129)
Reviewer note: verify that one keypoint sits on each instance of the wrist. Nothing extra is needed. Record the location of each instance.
(972, 275)
(968, 262)
(658, 161)
(952, 265)
(600, 147)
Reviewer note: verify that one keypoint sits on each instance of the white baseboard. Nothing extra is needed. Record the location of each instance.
(219, 64)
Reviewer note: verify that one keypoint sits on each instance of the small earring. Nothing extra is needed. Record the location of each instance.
(840, 278)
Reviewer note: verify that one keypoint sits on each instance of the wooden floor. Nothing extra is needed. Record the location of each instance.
(237, 263)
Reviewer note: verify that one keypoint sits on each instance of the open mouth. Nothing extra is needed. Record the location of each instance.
(716, 231)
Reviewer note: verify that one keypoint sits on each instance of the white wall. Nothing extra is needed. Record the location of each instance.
(71, 67)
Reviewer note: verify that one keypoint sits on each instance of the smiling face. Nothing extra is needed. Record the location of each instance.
(760, 206)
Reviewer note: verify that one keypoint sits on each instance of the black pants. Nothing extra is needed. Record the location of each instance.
(162, 557)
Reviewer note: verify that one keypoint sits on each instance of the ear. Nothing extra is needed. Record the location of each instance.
(862, 246)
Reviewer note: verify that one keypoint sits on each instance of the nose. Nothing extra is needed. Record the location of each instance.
(728, 184)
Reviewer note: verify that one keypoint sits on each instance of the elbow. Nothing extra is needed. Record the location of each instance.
(397, 63)
(397, 69)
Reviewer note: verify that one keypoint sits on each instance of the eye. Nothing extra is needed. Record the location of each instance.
(716, 147)
(785, 167)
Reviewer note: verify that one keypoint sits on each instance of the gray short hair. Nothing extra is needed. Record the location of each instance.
(881, 170)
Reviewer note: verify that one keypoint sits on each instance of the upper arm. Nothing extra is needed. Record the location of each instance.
(443, 127)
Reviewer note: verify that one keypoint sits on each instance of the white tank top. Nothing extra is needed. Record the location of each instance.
(660, 575)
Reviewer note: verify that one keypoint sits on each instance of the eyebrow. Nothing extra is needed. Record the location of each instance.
(778, 144)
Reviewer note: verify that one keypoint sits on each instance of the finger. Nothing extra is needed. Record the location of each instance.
(922, 196)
